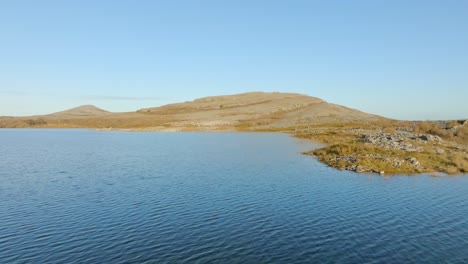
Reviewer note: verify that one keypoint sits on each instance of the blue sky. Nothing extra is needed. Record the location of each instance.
(400, 59)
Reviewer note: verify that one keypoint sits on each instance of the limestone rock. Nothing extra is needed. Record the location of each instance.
(413, 161)
(429, 137)
(394, 141)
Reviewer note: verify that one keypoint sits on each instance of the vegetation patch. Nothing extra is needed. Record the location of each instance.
(382, 148)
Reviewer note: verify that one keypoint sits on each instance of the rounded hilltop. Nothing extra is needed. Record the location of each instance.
(81, 111)
(265, 109)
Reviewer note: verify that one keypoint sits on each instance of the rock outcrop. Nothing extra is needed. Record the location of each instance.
(401, 140)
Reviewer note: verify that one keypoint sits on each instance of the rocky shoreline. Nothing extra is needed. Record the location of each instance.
(402, 151)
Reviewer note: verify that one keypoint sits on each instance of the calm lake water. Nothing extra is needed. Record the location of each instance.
(79, 196)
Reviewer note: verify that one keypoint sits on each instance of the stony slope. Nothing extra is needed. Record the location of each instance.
(255, 110)
(259, 109)
(241, 103)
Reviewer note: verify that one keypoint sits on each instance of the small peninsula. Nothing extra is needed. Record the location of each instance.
(352, 140)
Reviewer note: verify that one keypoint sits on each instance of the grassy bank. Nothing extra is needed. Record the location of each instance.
(398, 147)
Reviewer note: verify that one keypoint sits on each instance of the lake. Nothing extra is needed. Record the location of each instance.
(81, 196)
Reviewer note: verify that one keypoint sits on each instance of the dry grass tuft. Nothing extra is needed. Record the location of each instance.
(389, 130)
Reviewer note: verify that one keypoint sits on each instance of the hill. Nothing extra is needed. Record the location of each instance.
(258, 109)
(80, 111)
(255, 110)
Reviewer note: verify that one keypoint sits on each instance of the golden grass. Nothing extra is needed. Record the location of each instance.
(342, 142)
(389, 130)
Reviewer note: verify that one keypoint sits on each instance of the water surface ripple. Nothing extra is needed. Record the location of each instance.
(79, 196)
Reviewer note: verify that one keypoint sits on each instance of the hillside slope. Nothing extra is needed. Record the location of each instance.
(255, 110)
(259, 109)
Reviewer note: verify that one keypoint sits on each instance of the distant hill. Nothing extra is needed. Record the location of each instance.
(254, 110)
(80, 111)
(261, 109)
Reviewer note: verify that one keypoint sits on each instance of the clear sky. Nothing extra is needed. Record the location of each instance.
(400, 59)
